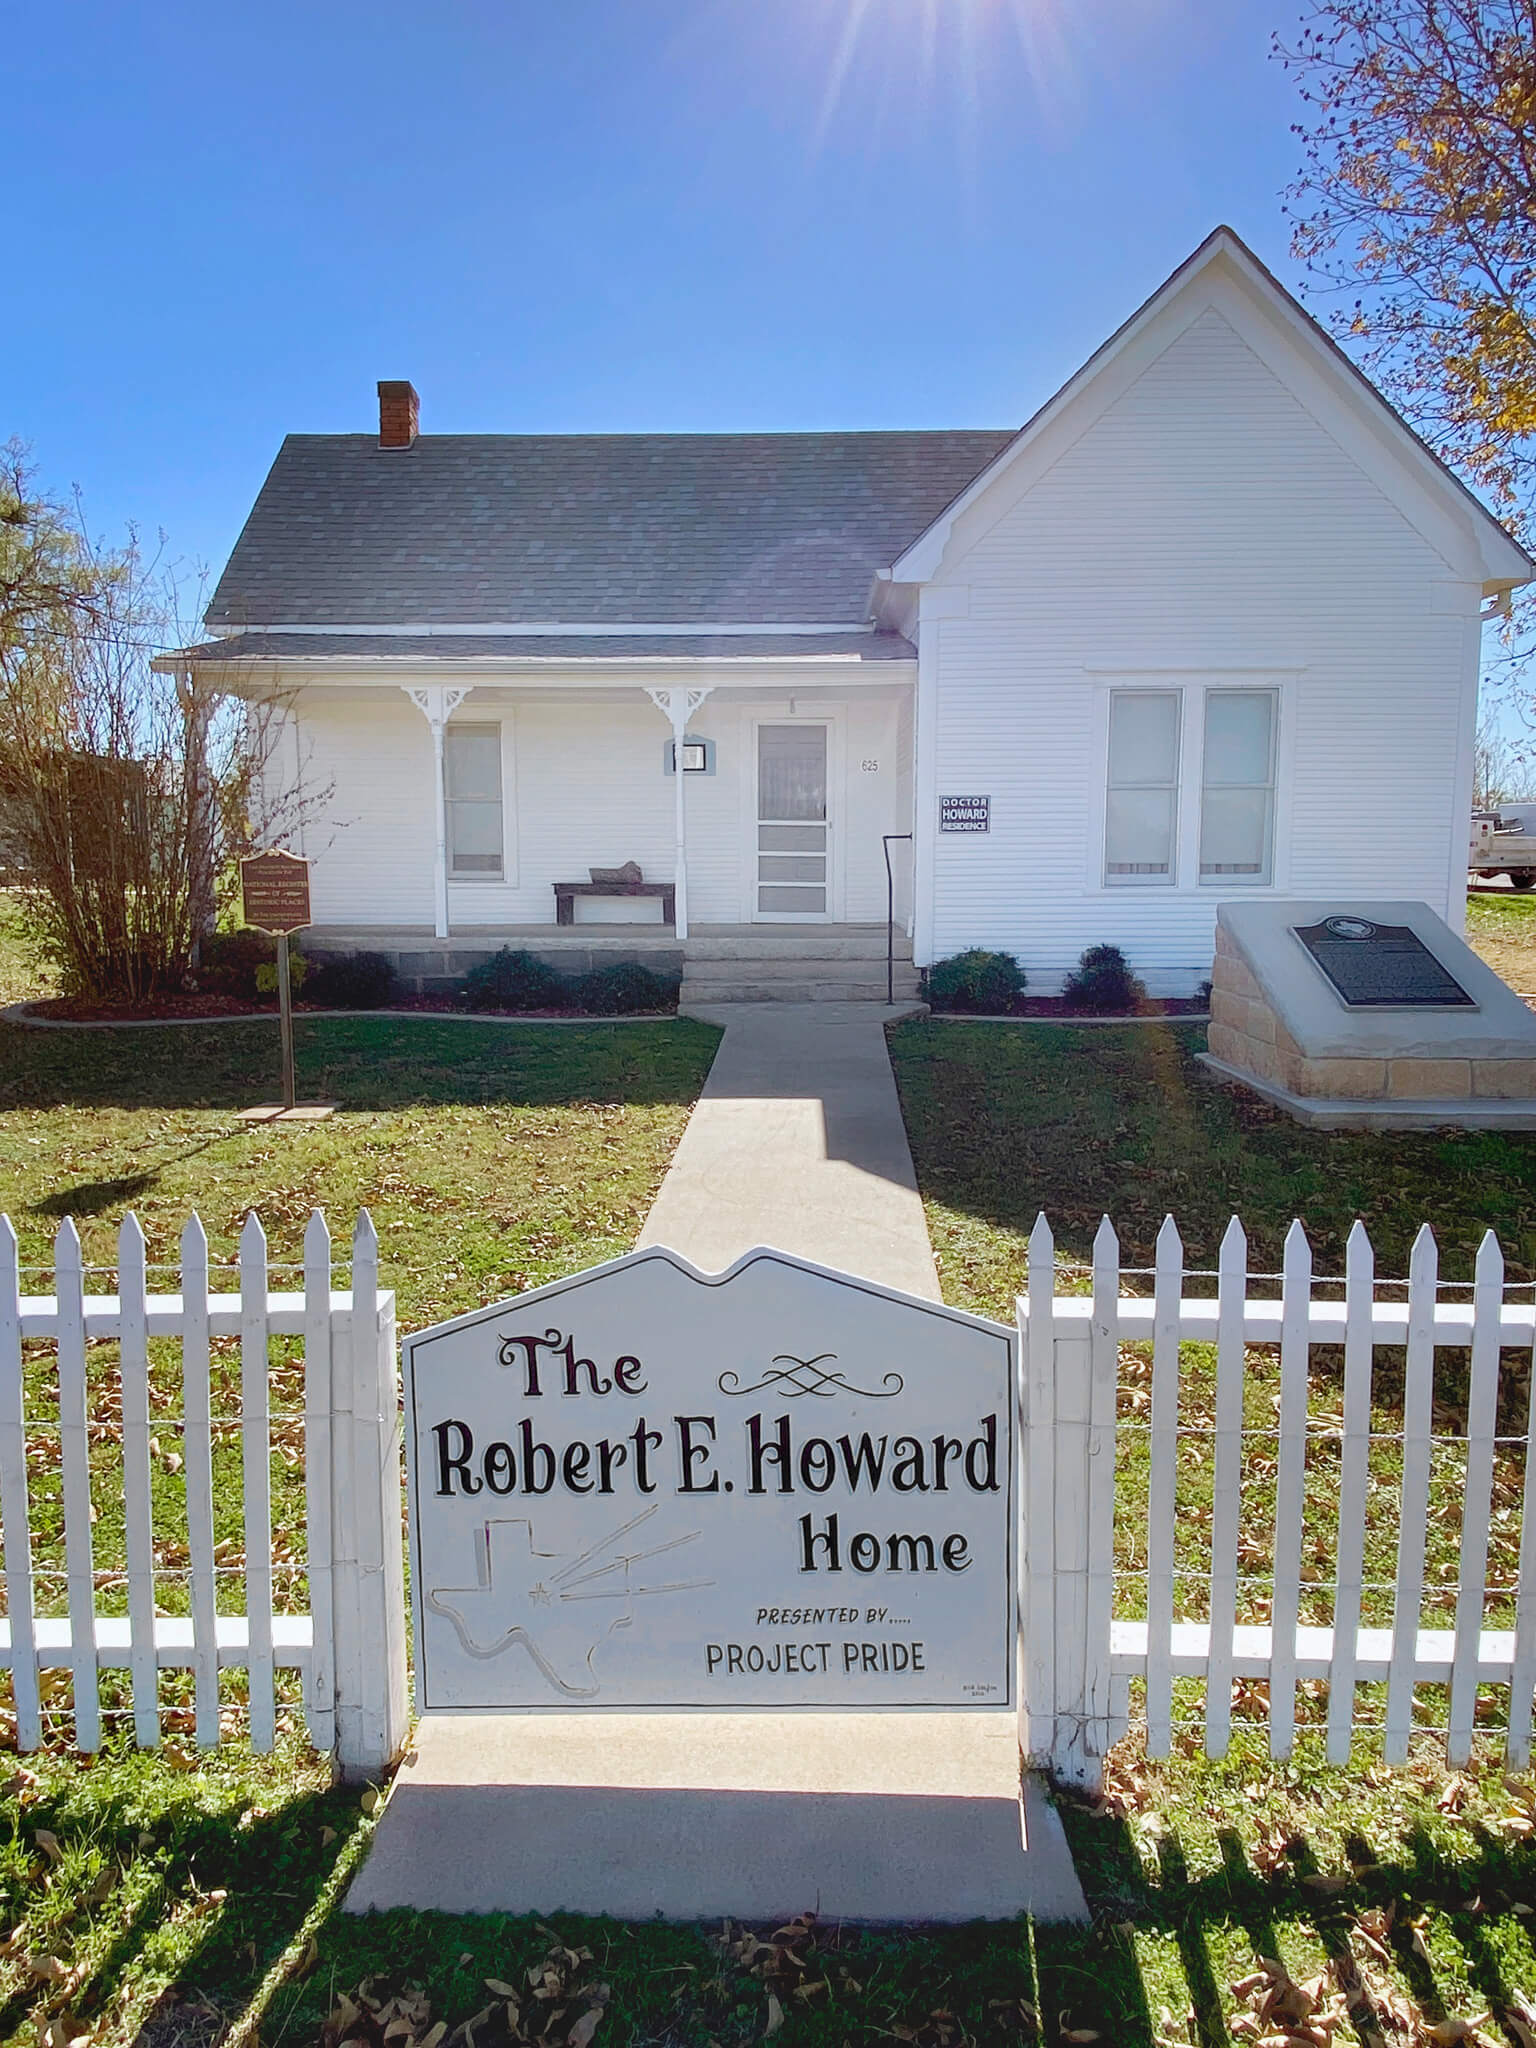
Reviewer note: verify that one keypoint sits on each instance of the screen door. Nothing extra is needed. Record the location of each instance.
(792, 826)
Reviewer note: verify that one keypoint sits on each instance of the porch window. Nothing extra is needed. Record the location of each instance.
(472, 790)
(1141, 809)
(1237, 794)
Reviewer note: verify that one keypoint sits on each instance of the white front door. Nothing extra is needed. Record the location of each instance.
(793, 838)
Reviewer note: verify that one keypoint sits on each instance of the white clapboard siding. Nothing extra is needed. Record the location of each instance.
(1080, 1656)
(260, 1640)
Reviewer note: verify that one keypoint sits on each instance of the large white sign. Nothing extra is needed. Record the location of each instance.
(773, 1487)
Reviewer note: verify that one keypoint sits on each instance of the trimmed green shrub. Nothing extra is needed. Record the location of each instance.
(1103, 984)
(623, 986)
(976, 981)
(350, 981)
(229, 963)
(515, 981)
(298, 974)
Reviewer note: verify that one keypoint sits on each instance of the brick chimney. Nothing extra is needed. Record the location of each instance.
(399, 410)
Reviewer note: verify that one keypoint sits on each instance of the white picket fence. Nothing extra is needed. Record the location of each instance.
(1079, 1656)
(350, 1646)
(1079, 1659)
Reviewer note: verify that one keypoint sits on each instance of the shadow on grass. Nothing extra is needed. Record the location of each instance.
(1009, 1119)
(361, 1064)
(215, 1895)
(171, 1852)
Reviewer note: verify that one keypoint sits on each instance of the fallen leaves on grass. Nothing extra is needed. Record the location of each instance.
(1282, 2013)
(561, 2008)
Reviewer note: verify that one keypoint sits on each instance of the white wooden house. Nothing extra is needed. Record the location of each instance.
(1208, 624)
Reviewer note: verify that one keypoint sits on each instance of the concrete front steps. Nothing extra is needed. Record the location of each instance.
(794, 964)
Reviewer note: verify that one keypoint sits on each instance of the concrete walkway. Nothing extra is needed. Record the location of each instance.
(798, 1142)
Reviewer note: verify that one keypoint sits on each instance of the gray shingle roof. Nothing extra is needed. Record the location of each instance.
(547, 648)
(587, 528)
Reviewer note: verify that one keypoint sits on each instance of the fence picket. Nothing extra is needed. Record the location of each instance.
(1290, 1487)
(133, 1352)
(1040, 1459)
(1354, 1470)
(1104, 1375)
(1522, 1681)
(1162, 1478)
(320, 1689)
(1231, 1290)
(15, 1514)
(197, 1456)
(256, 1440)
(1482, 1422)
(74, 1460)
(1413, 1513)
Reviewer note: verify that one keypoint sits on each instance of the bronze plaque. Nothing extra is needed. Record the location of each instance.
(274, 891)
(1381, 966)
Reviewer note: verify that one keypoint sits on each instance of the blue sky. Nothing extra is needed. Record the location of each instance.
(593, 215)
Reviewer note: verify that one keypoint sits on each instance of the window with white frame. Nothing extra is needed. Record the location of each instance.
(1142, 804)
(1237, 787)
(472, 793)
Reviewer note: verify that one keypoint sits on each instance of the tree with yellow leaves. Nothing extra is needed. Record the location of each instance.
(1418, 197)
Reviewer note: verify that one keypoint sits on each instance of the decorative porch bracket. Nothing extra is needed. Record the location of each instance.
(437, 703)
(679, 705)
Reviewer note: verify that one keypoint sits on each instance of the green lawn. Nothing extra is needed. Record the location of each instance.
(1201, 1867)
(492, 1157)
(1503, 929)
(22, 979)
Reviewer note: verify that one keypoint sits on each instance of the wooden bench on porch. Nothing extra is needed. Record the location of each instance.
(628, 880)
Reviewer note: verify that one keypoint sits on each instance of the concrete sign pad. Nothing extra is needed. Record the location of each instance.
(673, 1518)
(856, 1816)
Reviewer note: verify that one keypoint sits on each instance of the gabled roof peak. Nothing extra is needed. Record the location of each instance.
(1505, 562)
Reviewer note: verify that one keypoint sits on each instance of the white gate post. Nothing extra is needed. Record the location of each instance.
(1068, 1465)
(367, 1541)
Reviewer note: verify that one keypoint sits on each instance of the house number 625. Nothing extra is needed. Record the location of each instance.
(870, 767)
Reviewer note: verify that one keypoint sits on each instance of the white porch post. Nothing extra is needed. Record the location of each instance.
(679, 705)
(437, 703)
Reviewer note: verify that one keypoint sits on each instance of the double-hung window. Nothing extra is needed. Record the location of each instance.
(472, 794)
(1142, 811)
(1158, 810)
(1237, 787)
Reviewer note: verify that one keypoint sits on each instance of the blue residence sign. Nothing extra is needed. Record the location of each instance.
(774, 1487)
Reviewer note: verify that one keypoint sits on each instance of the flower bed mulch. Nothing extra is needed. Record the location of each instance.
(1059, 1007)
(167, 1009)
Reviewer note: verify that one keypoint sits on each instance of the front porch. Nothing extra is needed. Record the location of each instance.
(716, 962)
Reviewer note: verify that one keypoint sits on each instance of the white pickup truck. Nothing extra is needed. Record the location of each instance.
(1504, 843)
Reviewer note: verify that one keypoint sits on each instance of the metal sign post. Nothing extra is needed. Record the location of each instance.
(274, 897)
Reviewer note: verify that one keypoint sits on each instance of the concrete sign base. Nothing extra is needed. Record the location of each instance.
(881, 1817)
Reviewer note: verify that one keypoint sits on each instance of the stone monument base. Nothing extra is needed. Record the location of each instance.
(1281, 1028)
(900, 1817)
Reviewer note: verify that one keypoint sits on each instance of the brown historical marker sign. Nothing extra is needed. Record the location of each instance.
(274, 891)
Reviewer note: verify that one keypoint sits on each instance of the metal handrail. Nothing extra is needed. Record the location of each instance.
(890, 916)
